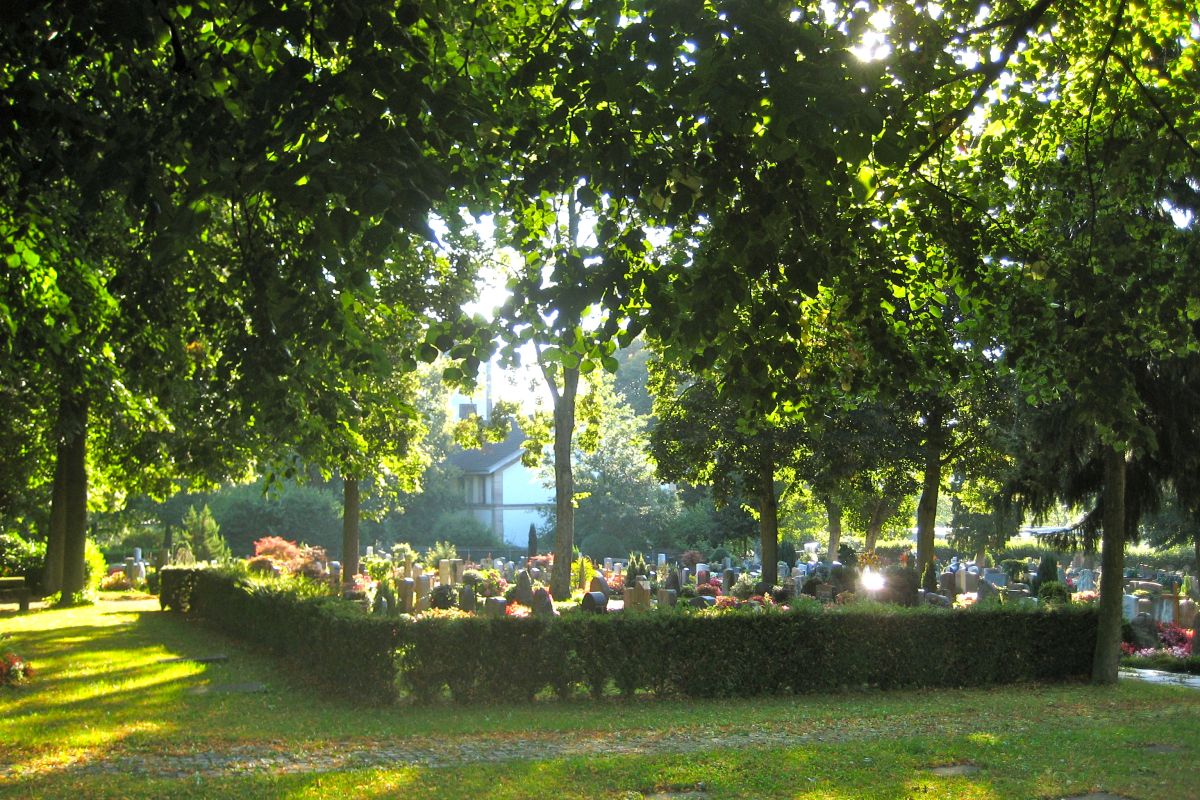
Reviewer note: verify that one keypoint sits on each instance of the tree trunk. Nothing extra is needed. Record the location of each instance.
(833, 510)
(75, 502)
(350, 515)
(56, 537)
(564, 485)
(1112, 564)
(768, 522)
(980, 556)
(930, 485)
(880, 513)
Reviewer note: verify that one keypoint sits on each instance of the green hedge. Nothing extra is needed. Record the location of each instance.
(334, 642)
(677, 653)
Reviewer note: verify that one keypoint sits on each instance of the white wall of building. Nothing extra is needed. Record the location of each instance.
(523, 486)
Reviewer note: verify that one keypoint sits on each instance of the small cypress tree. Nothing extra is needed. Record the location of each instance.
(1047, 571)
(532, 541)
(203, 536)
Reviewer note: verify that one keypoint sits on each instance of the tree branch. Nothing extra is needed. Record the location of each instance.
(949, 124)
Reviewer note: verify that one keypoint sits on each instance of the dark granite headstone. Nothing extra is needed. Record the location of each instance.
(524, 588)
(702, 601)
(466, 598)
(595, 602)
(599, 584)
(543, 604)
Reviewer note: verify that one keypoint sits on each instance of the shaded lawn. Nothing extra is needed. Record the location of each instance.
(101, 692)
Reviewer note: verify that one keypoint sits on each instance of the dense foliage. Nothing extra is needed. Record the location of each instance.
(744, 654)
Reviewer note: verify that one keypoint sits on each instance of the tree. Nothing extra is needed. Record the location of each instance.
(697, 438)
(1087, 279)
(203, 536)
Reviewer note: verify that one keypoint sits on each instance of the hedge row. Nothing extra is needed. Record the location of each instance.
(330, 640)
(733, 654)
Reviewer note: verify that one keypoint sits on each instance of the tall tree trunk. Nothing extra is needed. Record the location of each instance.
(833, 510)
(930, 485)
(564, 485)
(1112, 564)
(350, 515)
(768, 522)
(56, 538)
(75, 503)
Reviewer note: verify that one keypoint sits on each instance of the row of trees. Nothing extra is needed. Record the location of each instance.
(215, 219)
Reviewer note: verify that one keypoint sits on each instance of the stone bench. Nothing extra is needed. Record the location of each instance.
(14, 589)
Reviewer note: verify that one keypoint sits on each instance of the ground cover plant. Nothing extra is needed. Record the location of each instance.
(107, 702)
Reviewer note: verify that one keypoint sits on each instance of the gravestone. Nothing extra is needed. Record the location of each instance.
(406, 593)
(457, 568)
(946, 585)
(702, 601)
(1129, 607)
(684, 575)
(494, 606)
(987, 590)
(824, 592)
(444, 572)
(424, 585)
(662, 561)
(543, 604)
(996, 577)
(466, 599)
(535, 573)
(728, 562)
(667, 597)
(599, 584)
(782, 570)
(608, 564)
(1145, 631)
(970, 581)
(1087, 581)
(701, 574)
(594, 602)
(335, 573)
(672, 581)
(727, 580)
(1187, 614)
(637, 597)
(524, 594)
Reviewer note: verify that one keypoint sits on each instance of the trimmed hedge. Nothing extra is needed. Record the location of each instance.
(733, 654)
(334, 642)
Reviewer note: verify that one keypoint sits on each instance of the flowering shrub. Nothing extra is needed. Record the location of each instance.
(444, 613)
(1085, 597)
(727, 602)
(115, 582)
(617, 582)
(966, 599)
(14, 670)
(517, 610)
(1173, 636)
(543, 562)
(710, 589)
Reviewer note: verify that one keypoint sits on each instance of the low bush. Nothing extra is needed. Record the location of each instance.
(747, 652)
(332, 641)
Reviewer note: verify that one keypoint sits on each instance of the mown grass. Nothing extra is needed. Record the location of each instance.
(101, 691)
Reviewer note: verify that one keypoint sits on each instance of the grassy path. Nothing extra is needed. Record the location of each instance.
(105, 708)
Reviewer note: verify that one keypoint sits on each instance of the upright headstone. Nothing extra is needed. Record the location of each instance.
(594, 602)
(727, 580)
(543, 605)
(782, 570)
(667, 597)
(637, 597)
(946, 584)
(728, 562)
(457, 569)
(535, 573)
(608, 565)
(444, 572)
(466, 599)
(1187, 615)
(701, 573)
(672, 581)
(524, 594)
(684, 575)
(662, 561)
(1129, 607)
(1087, 581)
(424, 585)
(494, 606)
(599, 584)
(406, 598)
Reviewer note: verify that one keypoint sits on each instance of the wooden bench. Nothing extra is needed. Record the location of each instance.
(15, 589)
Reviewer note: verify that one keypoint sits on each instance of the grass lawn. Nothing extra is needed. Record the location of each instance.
(103, 699)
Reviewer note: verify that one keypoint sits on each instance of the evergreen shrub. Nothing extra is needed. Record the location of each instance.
(850, 647)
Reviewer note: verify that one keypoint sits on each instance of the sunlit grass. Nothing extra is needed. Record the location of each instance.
(102, 691)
